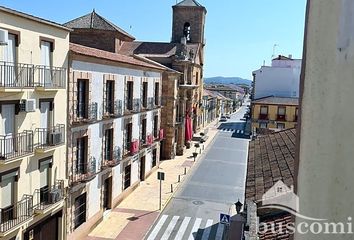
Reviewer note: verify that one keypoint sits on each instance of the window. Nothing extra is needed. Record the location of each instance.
(81, 155)
(143, 130)
(296, 114)
(279, 189)
(8, 182)
(82, 98)
(108, 144)
(80, 210)
(128, 136)
(9, 53)
(264, 110)
(187, 31)
(127, 175)
(281, 111)
(280, 125)
(145, 91)
(263, 125)
(44, 179)
(154, 158)
(129, 95)
(109, 97)
(157, 93)
(156, 120)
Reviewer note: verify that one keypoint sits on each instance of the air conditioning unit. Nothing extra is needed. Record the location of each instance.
(55, 195)
(30, 105)
(3, 37)
(55, 138)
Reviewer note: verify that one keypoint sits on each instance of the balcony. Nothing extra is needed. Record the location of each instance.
(47, 197)
(263, 116)
(50, 137)
(146, 140)
(51, 78)
(16, 146)
(134, 147)
(136, 106)
(150, 103)
(85, 112)
(16, 76)
(112, 159)
(13, 216)
(281, 118)
(85, 171)
(187, 84)
(113, 109)
(179, 119)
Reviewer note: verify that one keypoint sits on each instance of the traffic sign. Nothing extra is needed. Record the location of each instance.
(224, 218)
(160, 175)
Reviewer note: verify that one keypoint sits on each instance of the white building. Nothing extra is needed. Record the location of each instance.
(281, 79)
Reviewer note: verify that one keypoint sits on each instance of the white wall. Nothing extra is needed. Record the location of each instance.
(280, 80)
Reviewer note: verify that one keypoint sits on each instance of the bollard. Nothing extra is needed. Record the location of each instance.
(185, 171)
(203, 146)
(179, 178)
(200, 150)
(171, 188)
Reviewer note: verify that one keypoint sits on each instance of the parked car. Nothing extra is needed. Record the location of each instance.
(223, 119)
(228, 116)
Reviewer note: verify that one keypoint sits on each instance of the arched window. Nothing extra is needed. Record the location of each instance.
(187, 31)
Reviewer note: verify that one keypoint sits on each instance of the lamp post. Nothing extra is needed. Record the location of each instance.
(238, 206)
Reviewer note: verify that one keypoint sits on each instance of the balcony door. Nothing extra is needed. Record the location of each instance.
(7, 197)
(44, 182)
(82, 96)
(7, 130)
(45, 75)
(45, 122)
(8, 77)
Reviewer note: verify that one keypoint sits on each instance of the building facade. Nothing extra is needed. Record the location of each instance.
(33, 80)
(325, 152)
(281, 79)
(274, 113)
(114, 125)
(184, 54)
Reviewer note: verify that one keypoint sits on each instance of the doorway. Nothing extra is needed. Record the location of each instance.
(107, 193)
(142, 168)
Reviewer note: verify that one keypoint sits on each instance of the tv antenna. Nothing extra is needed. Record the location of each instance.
(274, 46)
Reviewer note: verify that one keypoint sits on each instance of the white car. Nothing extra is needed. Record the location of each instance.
(223, 119)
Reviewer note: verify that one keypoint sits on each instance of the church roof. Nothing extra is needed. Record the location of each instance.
(189, 3)
(95, 21)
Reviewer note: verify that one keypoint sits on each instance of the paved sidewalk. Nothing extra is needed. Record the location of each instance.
(134, 216)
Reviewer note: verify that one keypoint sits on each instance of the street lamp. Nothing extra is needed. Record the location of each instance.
(238, 205)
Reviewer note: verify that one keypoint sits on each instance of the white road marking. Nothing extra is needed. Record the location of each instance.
(241, 131)
(170, 228)
(195, 228)
(157, 228)
(207, 229)
(182, 228)
(219, 232)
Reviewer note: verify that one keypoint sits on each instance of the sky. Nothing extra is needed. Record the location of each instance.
(240, 34)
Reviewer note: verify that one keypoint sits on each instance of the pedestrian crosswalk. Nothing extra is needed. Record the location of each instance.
(238, 131)
(186, 228)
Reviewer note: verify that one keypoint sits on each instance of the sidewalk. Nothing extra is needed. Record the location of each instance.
(134, 216)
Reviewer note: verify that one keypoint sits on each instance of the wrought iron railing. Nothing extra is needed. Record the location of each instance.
(14, 215)
(179, 119)
(85, 171)
(48, 137)
(47, 196)
(136, 105)
(113, 108)
(150, 103)
(16, 145)
(16, 75)
(86, 112)
(51, 77)
(112, 157)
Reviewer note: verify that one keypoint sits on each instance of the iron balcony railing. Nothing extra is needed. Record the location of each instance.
(14, 215)
(49, 195)
(263, 116)
(129, 104)
(16, 75)
(48, 137)
(112, 157)
(86, 112)
(16, 145)
(51, 77)
(85, 171)
(136, 105)
(113, 108)
(150, 103)
(179, 119)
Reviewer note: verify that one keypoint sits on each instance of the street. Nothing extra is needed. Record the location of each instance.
(215, 183)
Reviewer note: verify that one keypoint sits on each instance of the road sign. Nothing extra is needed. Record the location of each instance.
(160, 175)
(224, 218)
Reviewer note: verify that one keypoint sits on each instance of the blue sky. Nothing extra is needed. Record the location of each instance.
(240, 34)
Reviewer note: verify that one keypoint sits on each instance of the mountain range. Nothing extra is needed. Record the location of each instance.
(228, 80)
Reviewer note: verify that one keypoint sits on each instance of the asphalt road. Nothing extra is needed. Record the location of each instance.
(215, 183)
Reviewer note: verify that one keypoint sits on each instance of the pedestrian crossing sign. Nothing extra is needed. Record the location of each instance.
(224, 218)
